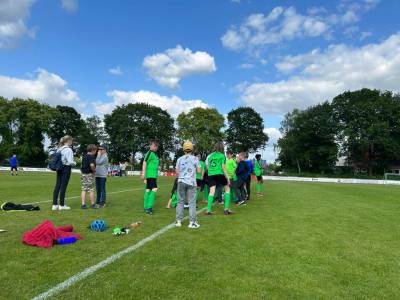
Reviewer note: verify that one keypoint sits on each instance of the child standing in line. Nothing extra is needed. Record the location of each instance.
(258, 171)
(231, 168)
(218, 175)
(200, 176)
(150, 175)
(186, 168)
(88, 170)
(242, 171)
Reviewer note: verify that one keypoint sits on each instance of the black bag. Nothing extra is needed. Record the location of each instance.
(7, 206)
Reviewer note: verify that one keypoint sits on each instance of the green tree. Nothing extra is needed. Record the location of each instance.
(203, 126)
(67, 121)
(245, 130)
(130, 127)
(308, 140)
(369, 127)
(22, 129)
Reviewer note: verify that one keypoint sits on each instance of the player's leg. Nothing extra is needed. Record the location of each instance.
(227, 196)
(181, 191)
(212, 183)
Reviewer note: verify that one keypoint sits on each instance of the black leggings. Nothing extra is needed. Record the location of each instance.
(62, 181)
(248, 186)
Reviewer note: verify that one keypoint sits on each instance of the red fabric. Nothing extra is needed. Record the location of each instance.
(46, 233)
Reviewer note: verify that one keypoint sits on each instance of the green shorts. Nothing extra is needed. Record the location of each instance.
(87, 182)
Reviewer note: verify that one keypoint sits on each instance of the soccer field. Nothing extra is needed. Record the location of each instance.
(301, 240)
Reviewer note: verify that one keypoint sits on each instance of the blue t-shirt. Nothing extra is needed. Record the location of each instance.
(13, 161)
(187, 168)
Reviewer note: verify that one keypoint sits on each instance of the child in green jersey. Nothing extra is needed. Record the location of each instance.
(200, 176)
(150, 174)
(231, 168)
(258, 171)
(218, 175)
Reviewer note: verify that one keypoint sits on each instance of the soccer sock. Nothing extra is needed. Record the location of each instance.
(210, 202)
(227, 200)
(174, 201)
(146, 200)
(152, 198)
(205, 193)
(258, 187)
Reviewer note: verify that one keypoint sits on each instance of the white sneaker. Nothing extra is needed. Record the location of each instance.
(178, 223)
(64, 207)
(54, 207)
(194, 225)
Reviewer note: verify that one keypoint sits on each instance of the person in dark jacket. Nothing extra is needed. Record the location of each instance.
(250, 167)
(242, 173)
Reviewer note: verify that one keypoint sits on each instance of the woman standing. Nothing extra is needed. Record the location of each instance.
(101, 175)
(64, 174)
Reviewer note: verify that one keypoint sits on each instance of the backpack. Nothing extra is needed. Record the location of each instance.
(55, 162)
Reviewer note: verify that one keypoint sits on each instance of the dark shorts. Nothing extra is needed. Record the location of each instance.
(259, 178)
(200, 183)
(14, 168)
(151, 183)
(215, 180)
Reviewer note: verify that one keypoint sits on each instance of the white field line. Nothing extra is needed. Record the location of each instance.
(74, 197)
(109, 260)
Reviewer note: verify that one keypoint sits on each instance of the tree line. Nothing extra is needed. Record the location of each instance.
(362, 127)
(27, 125)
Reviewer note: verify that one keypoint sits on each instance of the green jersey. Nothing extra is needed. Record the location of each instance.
(214, 163)
(257, 168)
(202, 166)
(152, 164)
(231, 167)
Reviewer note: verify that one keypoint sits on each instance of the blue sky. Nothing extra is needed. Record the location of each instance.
(272, 55)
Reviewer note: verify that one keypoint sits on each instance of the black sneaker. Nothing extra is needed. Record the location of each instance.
(95, 206)
(84, 206)
(241, 203)
(228, 212)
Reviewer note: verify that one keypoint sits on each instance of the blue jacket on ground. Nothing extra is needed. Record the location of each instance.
(13, 161)
(250, 167)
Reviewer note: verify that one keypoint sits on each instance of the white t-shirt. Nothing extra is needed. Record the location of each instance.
(187, 168)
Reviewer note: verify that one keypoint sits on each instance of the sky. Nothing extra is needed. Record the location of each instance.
(178, 54)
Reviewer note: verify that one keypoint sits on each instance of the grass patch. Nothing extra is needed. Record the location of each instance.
(301, 240)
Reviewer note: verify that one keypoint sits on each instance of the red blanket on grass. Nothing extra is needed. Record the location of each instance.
(46, 233)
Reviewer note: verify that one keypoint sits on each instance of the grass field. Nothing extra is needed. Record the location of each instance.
(301, 240)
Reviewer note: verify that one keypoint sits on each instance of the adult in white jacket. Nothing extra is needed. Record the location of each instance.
(64, 174)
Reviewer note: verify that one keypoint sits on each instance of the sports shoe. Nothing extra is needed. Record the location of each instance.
(64, 207)
(95, 206)
(149, 211)
(186, 206)
(194, 225)
(84, 206)
(241, 203)
(54, 207)
(178, 223)
(228, 212)
(209, 213)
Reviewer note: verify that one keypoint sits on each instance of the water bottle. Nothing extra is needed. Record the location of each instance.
(67, 240)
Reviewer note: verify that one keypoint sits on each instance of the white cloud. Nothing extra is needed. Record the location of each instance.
(322, 75)
(364, 35)
(46, 87)
(13, 16)
(117, 71)
(69, 5)
(173, 104)
(274, 135)
(285, 24)
(169, 67)
(246, 66)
